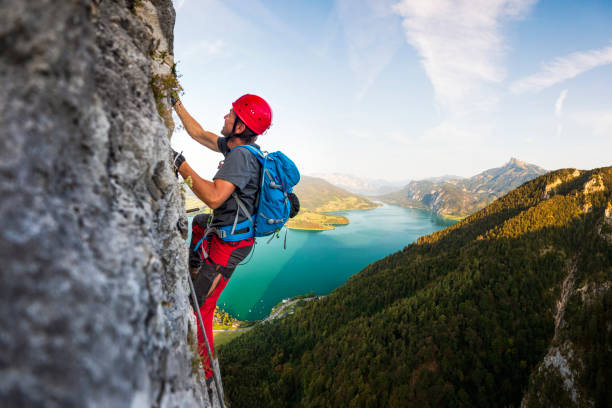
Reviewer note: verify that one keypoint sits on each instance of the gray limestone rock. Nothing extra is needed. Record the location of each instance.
(93, 290)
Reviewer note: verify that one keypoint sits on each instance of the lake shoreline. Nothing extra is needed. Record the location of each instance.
(319, 262)
(330, 225)
(450, 217)
(316, 221)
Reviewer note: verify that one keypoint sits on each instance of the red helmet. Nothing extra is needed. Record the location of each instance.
(254, 112)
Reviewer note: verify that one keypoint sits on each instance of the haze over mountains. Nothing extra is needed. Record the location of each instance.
(361, 185)
(444, 195)
(460, 197)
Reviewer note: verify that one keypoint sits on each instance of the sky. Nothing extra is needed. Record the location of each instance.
(404, 89)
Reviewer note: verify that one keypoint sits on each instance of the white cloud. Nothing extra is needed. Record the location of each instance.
(563, 68)
(559, 103)
(373, 35)
(461, 46)
(178, 4)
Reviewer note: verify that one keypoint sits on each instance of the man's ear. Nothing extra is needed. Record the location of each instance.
(240, 128)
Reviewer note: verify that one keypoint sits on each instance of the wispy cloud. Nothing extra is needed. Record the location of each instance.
(559, 110)
(461, 46)
(563, 68)
(261, 17)
(373, 35)
(559, 103)
(207, 49)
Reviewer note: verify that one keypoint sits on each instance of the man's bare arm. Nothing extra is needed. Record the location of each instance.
(194, 129)
(213, 193)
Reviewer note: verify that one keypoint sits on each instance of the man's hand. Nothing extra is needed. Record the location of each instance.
(173, 99)
(177, 160)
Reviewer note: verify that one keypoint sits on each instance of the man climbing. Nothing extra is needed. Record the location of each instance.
(221, 241)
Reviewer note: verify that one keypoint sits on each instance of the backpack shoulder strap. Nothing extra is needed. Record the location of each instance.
(242, 207)
(258, 153)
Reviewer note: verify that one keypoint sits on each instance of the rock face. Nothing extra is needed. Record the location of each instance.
(93, 290)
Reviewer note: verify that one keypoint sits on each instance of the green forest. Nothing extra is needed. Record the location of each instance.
(462, 317)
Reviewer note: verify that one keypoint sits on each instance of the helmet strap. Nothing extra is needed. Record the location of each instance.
(232, 133)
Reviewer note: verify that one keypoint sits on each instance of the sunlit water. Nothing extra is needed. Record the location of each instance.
(320, 261)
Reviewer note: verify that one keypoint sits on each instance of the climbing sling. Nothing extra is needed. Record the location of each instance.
(210, 359)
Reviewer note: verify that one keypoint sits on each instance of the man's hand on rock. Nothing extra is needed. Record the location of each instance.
(177, 160)
(174, 99)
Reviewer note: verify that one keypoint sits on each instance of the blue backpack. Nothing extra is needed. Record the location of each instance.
(278, 176)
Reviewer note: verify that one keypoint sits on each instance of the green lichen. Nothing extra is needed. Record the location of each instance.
(134, 4)
(188, 181)
(163, 86)
(160, 56)
(196, 360)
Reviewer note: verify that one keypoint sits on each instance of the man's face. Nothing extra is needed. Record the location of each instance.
(230, 118)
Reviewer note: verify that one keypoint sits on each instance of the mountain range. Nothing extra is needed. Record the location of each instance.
(460, 197)
(445, 195)
(361, 185)
(511, 306)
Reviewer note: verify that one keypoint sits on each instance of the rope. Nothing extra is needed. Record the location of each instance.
(250, 256)
(210, 359)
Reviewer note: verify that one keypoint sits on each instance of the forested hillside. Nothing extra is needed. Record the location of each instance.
(511, 305)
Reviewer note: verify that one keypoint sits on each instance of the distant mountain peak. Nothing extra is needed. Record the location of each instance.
(514, 162)
(463, 196)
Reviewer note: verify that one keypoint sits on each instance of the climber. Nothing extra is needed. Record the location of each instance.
(214, 256)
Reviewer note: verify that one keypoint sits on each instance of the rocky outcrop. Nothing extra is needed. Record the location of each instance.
(556, 362)
(594, 185)
(93, 291)
(606, 228)
(550, 187)
(565, 376)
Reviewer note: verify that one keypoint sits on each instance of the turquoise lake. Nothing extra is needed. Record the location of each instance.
(320, 261)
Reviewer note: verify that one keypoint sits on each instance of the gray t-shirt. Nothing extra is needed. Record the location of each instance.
(242, 169)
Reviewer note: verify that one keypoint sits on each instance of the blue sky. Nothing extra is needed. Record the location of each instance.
(404, 89)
